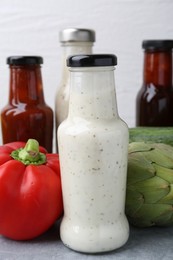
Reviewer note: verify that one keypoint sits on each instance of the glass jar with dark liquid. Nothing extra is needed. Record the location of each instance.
(154, 103)
(27, 115)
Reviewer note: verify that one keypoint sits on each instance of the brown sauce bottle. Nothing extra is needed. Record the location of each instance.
(154, 103)
(26, 115)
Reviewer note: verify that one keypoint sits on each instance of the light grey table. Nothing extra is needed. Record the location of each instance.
(149, 244)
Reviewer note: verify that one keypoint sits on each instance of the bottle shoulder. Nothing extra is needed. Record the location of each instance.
(79, 125)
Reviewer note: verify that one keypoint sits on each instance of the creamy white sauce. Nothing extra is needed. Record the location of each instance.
(63, 92)
(93, 145)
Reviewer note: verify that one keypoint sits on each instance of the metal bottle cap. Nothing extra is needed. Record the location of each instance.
(77, 35)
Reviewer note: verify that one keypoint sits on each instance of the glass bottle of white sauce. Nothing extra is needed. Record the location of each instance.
(93, 149)
(74, 41)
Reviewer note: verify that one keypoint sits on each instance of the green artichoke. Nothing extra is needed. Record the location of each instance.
(149, 197)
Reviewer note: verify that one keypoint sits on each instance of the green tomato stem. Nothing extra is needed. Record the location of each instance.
(29, 154)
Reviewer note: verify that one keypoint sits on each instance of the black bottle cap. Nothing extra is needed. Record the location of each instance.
(93, 60)
(157, 45)
(24, 60)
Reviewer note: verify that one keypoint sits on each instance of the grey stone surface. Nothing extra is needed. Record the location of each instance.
(143, 244)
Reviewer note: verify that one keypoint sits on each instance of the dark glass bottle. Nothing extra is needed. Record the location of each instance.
(154, 103)
(26, 115)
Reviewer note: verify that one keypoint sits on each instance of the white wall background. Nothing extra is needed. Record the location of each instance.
(32, 28)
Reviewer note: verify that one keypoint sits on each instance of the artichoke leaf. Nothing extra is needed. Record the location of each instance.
(160, 155)
(139, 147)
(168, 199)
(134, 200)
(166, 149)
(164, 173)
(151, 215)
(153, 189)
(165, 219)
(139, 168)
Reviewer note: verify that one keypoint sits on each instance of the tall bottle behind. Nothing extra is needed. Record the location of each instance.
(74, 41)
(26, 115)
(93, 145)
(154, 103)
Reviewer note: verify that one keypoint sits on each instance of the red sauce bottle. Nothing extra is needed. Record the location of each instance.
(154, 103)
(26, 115)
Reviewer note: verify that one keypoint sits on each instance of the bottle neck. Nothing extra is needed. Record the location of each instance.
(92, 93)
(158, 68)
(26, 84)
(73, 48)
